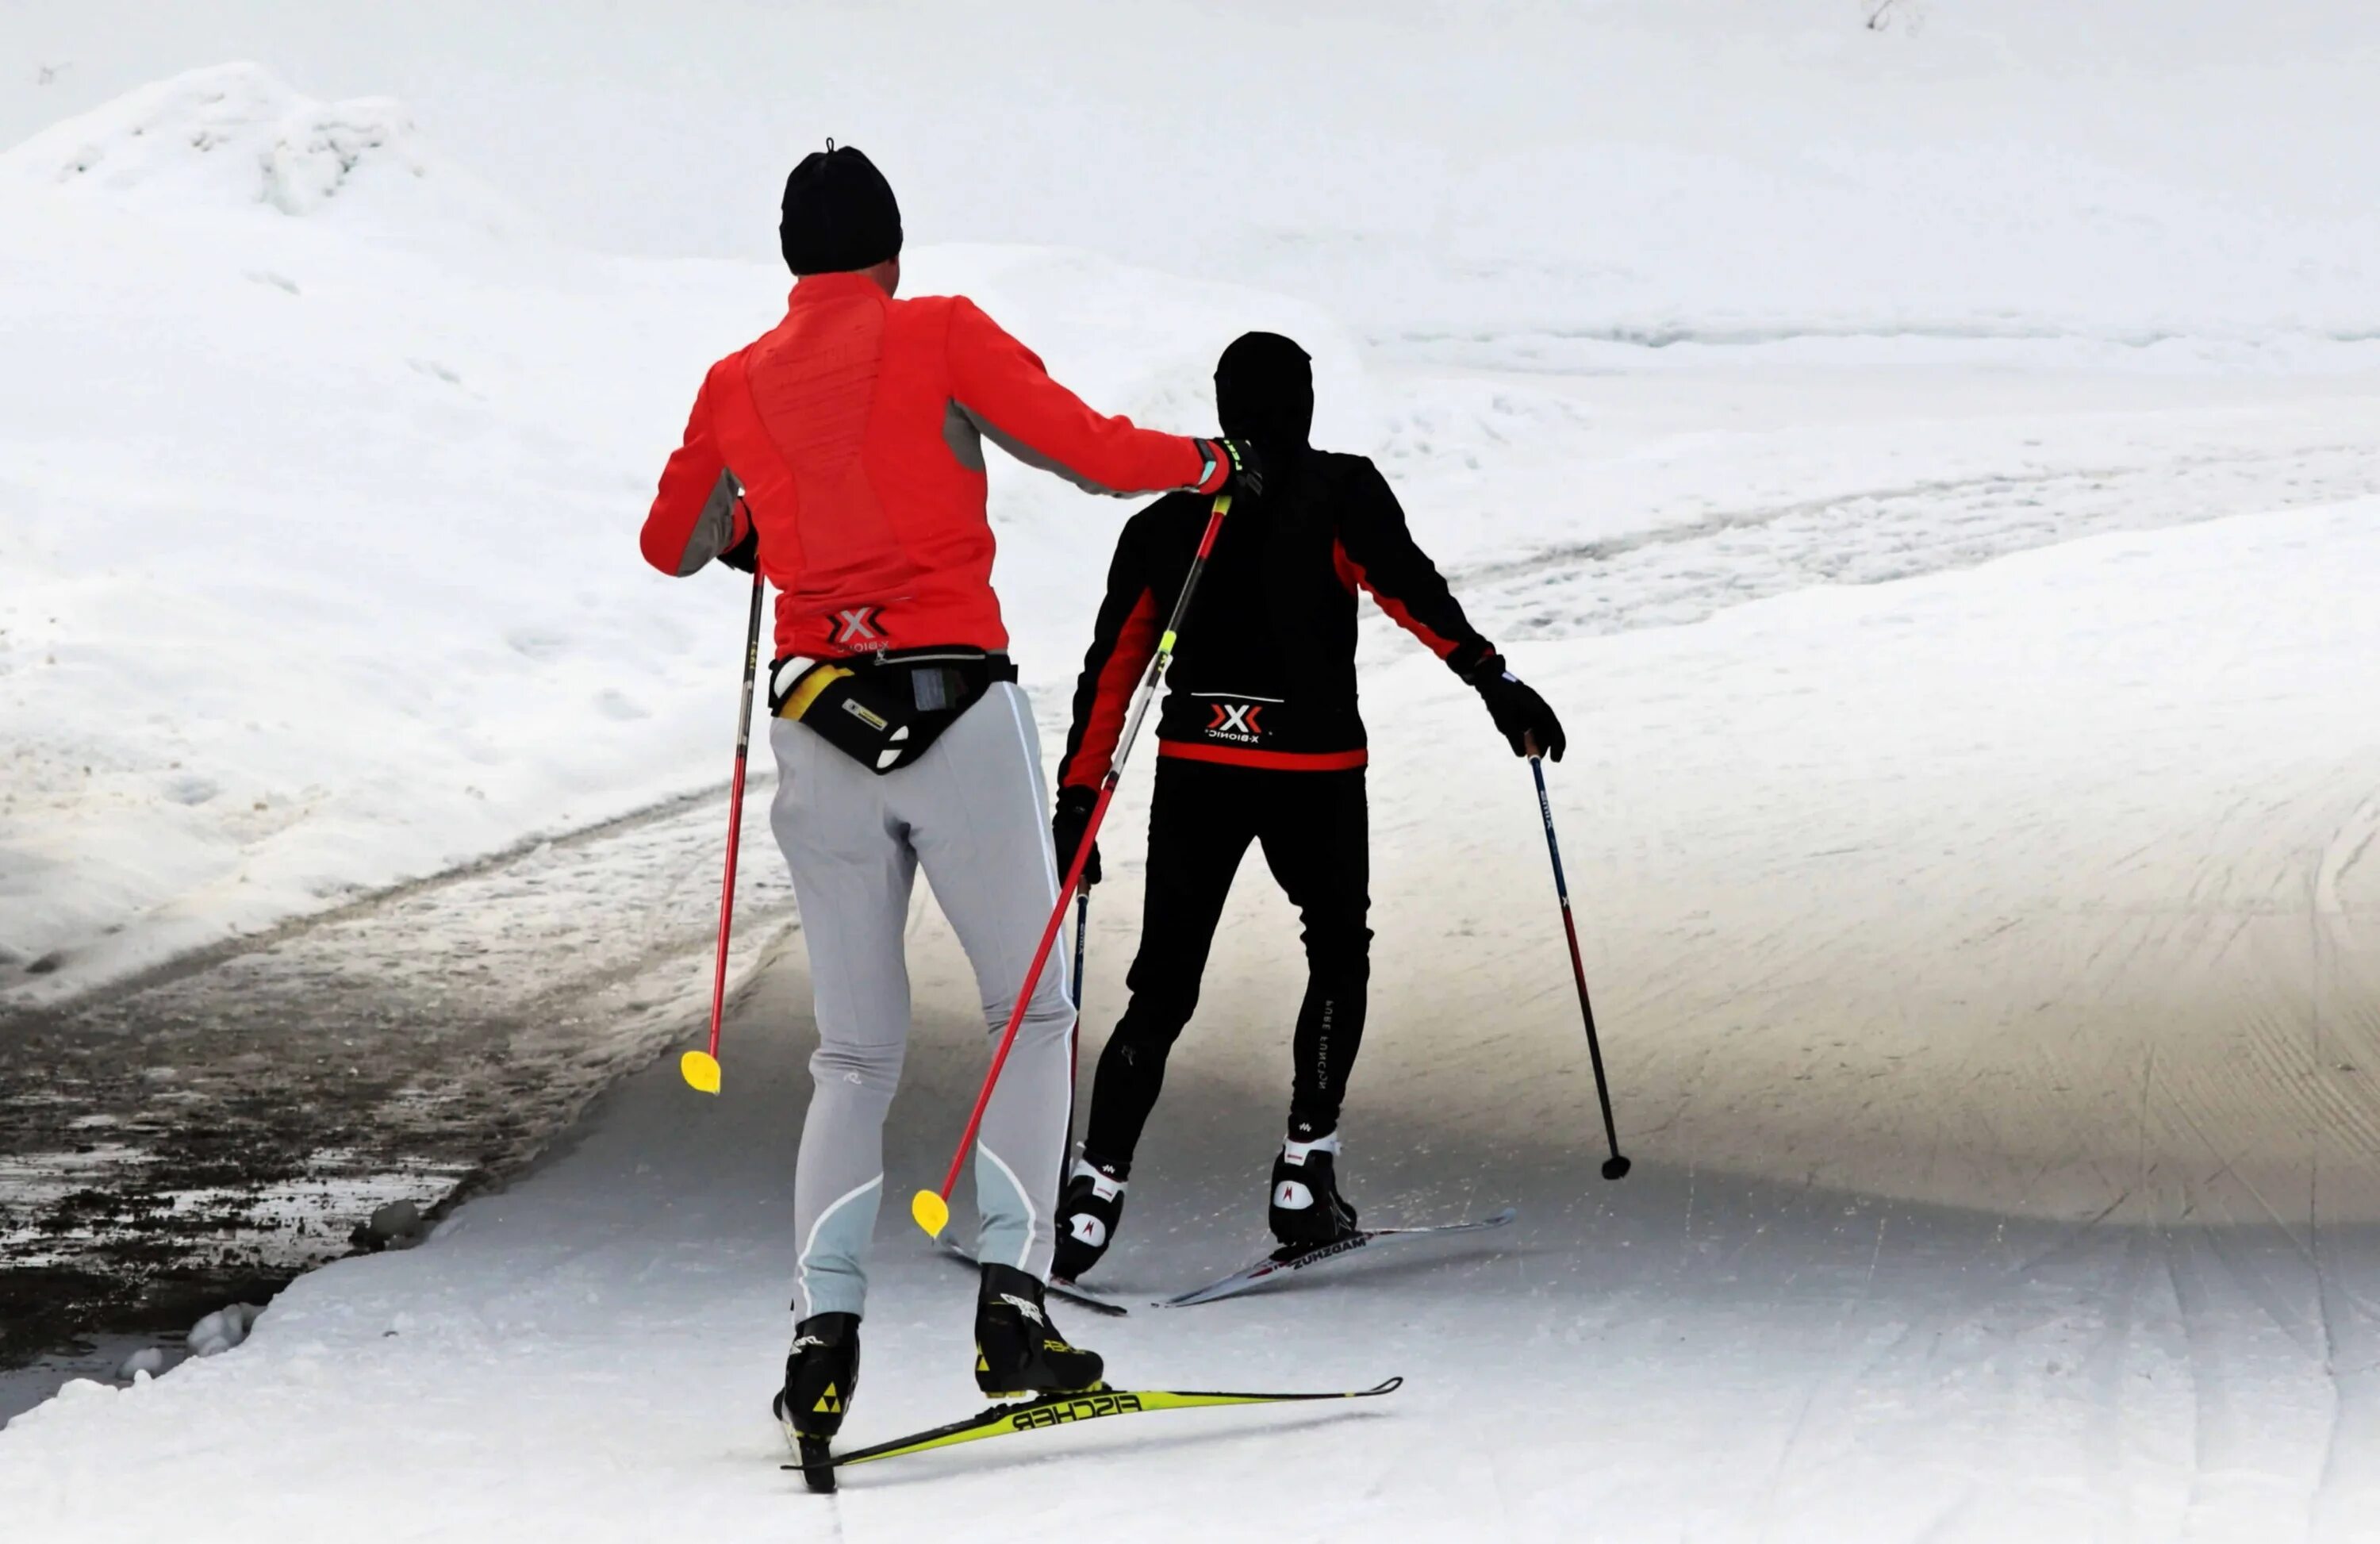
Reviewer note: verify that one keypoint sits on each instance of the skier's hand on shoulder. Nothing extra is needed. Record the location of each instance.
(1068, 826)
(1236, 460)
(1521, 716)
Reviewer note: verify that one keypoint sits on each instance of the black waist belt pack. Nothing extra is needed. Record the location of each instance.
(883, 710)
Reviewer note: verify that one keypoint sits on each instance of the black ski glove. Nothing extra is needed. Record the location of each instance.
(1244, 472)
(746, 555)
(1521, 715)
(1066, 829)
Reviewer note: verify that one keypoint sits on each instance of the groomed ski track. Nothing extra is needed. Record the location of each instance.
(1999, 1088)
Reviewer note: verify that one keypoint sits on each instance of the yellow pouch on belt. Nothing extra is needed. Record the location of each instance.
(806, 686)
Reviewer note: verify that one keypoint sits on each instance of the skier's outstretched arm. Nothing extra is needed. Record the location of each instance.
(699, 514)
(1377, 552)
(1003, 389)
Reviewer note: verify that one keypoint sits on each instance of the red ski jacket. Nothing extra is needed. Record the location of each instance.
(854, 430)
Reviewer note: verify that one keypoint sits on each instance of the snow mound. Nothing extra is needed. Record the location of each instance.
(147, 1362)
(235, 136)
(223, 1330)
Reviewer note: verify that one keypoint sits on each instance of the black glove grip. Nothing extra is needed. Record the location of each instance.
(1068, 826)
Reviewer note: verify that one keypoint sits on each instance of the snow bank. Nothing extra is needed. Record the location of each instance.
(1516, 184)
(224, 1329)
(147, 1362)
(236, 135)
(317, 535)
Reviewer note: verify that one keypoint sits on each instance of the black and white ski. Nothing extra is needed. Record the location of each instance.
(1080, 1296)
(1032, 1414)
(1291, 1259)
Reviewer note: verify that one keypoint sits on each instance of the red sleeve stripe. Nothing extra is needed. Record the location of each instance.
(1441, 646)
(1135, 645)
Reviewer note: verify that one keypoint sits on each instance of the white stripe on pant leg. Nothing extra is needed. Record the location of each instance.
(801, 1264)
(1033, 781)
(1031, 1213)
(1049, 849)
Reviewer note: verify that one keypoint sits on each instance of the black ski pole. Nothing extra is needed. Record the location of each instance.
(1082, 925)
(1075, 1041)
(1074, 1036)
(1614, 1167)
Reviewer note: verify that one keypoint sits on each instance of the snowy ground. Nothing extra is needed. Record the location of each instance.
(1906, 1256)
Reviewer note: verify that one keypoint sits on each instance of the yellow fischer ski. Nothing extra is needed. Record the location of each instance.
(1006, 1420)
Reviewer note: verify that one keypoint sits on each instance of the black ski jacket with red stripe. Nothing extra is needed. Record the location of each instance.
(1264, 674)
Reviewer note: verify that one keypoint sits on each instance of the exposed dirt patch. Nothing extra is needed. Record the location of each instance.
(203, 1134)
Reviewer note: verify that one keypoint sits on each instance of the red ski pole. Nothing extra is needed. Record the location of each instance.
(701, 1068)
(930, 1207)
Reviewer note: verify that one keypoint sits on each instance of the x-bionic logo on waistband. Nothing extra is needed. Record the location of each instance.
(861, 627)
(1237, 721)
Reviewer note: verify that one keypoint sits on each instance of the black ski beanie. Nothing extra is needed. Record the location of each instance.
(839, 213)
(1264, 390)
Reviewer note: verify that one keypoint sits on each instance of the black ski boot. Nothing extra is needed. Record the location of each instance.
(821, 1372)
(1018, 1351)
(1087, 1215)
(1307, 1207)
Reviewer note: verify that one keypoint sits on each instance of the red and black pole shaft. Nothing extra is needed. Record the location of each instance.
(701, 1068)
(1614, 1167)
(932, 1208)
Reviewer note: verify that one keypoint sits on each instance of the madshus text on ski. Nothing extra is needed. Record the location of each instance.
(838, 458)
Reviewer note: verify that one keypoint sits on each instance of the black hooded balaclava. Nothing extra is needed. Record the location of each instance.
(1264, 392)
(839, 213)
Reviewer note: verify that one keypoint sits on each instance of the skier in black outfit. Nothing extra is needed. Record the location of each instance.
(1259, 741)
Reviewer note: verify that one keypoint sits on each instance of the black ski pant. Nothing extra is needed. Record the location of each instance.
(1314, 829)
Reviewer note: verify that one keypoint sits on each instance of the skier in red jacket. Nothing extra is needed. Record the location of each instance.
(842, 453)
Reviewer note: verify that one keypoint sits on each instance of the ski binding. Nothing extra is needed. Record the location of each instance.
(1080, 1296)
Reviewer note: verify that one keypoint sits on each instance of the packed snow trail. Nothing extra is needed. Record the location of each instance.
(1977, 962)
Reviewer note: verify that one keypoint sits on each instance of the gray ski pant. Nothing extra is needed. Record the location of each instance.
(975, 812)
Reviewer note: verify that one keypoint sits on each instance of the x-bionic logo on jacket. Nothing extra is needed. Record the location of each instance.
(1236, 721)
(860, 628)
